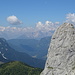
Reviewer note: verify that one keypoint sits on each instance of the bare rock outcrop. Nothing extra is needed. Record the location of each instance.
(61, 53)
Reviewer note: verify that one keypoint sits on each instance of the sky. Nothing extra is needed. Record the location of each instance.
(29, 12)
(34, 18)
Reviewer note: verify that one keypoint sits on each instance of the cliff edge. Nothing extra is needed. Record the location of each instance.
(61, 53)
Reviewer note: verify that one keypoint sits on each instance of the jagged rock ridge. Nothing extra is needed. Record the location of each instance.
(61, 53)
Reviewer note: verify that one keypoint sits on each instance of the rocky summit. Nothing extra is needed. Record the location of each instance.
(61, 53)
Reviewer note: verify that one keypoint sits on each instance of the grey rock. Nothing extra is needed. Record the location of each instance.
(61, 53)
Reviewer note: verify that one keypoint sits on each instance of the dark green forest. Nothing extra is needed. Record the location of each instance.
(18, 68)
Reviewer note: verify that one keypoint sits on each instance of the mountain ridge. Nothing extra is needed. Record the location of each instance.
(9, 53)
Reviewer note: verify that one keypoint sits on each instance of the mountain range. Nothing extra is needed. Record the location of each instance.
(35, 48)
(25, 33)
(8, 53)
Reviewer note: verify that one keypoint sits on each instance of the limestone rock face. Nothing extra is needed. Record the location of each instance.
(61, 53)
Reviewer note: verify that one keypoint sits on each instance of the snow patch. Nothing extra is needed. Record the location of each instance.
(4, 56)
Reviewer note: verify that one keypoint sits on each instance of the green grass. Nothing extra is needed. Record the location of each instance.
(50, 67)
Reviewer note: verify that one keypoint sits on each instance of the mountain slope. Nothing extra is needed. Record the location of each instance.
(61, 53)
(35, 48)
(18, 68)
(2, 59)
(9, 53)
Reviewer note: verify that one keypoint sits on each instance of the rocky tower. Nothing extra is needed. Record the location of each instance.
(61, 53)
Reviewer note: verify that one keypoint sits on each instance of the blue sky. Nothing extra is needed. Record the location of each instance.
(32, 11)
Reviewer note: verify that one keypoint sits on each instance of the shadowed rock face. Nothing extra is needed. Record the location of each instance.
(61, 53)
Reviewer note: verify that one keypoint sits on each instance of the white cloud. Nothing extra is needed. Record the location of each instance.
(39, 31)
(39, 25)
(70, 18)
(14, 20)
(47, 26)
(2, 28)
(57, 22)
(48, 23)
